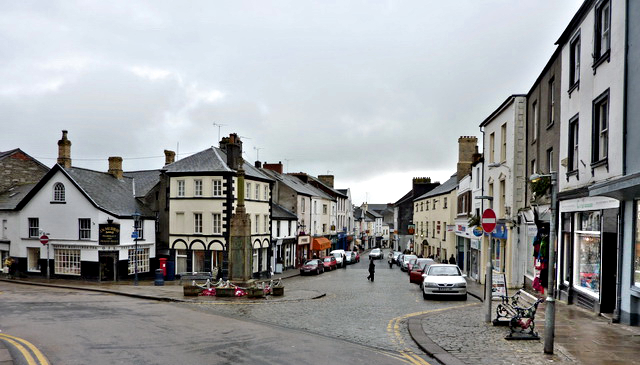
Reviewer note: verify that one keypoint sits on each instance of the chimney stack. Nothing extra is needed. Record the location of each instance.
(466, 149)
(327, 180)
(232, 145)
(64, 151)
(258, 164)
(169, 157)
(277, 167)
(115, 167)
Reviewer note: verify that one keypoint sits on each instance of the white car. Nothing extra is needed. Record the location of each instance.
(340, 256)
(375, 254)
(445, 280)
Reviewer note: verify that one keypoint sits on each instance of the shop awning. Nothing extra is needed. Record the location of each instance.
(320, 243)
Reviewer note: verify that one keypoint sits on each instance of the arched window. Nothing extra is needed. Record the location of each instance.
(58, 192)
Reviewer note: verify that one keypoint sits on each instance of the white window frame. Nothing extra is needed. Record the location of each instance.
(197, 187)
(197, 223)
(33, 259)
(34, 227)
(84, 229)
(257, 191)
(181, 188)
(58, 192)
(217, 223)
(142, 258)
(216, 186)
(67, 261)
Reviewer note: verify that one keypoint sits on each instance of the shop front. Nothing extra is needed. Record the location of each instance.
(587, 261)
(303, 251)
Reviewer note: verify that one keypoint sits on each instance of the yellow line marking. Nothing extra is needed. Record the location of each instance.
(393, 329)
(41, 358)
(27, 356)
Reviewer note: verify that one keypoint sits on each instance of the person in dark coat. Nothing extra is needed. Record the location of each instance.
(452, 260)
(372, 270)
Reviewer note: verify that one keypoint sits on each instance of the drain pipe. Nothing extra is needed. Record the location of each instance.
(616, 311)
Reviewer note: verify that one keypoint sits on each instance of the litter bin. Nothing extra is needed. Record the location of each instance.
(171, 270)
(159, 278)
(163, 266)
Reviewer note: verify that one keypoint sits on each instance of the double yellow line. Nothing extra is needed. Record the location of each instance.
(26, 348)
(393, 329)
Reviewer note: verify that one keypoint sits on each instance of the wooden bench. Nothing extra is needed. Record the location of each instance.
(518, 312)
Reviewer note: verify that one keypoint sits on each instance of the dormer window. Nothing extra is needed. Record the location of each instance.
(58, 193)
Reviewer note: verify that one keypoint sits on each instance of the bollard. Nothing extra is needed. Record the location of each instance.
(159, 278)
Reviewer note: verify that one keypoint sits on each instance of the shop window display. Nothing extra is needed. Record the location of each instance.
(588, 252)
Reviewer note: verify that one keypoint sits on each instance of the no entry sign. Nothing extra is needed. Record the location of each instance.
(44, 239)
(488, 220)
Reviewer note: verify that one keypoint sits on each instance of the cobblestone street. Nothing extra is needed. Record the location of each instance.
(354, 309)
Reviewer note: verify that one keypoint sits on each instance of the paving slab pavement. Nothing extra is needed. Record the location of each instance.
(461, 336)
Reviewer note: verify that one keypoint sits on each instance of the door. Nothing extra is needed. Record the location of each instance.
(609, 261)
(108, 265)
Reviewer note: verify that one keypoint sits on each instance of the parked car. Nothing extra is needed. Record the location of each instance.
(376, 254)
(348, 258)
(444, 280)
(330, 263)
(405, 261)
(340, 257)
(411, 264)
(415, 274)
(399, 259)
(312, 266)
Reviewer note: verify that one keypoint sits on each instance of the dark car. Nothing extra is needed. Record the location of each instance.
(330, 263)
(312, 266)
(415, 275)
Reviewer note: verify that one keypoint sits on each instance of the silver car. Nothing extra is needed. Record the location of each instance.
(404, 264)
(376, 254)
(444, 280)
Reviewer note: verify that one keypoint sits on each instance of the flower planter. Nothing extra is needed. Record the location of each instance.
(277, 291)
(255, 293)
(225, 292)
(191, 291)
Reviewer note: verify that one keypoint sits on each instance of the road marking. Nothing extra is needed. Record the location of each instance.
(393, 329)
(18, 342)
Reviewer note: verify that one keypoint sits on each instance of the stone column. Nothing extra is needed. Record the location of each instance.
(240, 248)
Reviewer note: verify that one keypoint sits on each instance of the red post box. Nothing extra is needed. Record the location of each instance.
(163, 266)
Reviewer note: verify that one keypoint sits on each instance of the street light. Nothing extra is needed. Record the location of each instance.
(550, 313)
(136, 220)
(488, 281)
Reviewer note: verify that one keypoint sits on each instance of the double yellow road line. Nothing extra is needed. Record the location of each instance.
(31, 354)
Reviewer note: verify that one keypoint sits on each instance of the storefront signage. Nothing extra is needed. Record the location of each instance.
(478, 231)
(109, 234)
(475, 244)
(450, 228)
(304, 240)
(590, 203)
(500, 232)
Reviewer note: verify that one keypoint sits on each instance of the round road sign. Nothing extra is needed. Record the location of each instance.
(488, 220)
(44, 239)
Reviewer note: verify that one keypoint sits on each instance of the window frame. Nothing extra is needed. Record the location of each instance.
(59, 194)
(552, 102)
(181, 191)
(33, 227)
(216, 223)
(197, 187)
(573, 145)
(598, 156)
(216, 187)
(84, 229)
(197, 223)
(536, 119)
(601, 52)
(574, 62)
(67, 261)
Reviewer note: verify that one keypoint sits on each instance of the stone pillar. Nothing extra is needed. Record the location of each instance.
(64, 151)
(240, 247)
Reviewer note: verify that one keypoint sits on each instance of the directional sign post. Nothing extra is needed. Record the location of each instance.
(488, 220)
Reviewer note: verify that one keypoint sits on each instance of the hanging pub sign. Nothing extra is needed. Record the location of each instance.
(109, 234)
(411, 229)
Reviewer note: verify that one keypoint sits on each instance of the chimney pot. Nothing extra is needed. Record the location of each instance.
(64, 151)
(169, 157)
(115, 167)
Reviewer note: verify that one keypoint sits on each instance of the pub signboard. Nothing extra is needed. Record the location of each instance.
(109, 234)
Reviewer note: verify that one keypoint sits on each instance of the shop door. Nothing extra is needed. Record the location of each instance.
(609, 261)
(108, 266)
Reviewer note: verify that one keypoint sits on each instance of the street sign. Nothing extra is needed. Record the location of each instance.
(134, 235)
(44, 239)
(488, 220)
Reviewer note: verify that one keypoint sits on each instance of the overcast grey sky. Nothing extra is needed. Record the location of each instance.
(373, 92)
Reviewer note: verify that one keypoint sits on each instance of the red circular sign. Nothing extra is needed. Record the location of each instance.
(44, 239)
(488, 220)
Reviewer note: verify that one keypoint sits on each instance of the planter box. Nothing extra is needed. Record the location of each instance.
(255, 293)
(225, 292)
(191, 291)
(277, 291)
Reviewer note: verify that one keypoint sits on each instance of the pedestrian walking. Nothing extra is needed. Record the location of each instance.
(452, 260)
(9, 262)
(372, 270)
(390, 257)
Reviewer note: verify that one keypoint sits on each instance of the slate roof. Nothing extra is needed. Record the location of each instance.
(335, 191)
(144, 181)
(281, 213)
(406, 197)
(106, 192)
(296, 184)
(6, 154)
(444, 188)
(10, 198)
(212, 159)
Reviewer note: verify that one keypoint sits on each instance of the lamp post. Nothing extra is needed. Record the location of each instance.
(136, 220)
(550, 313)
(488, 281)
